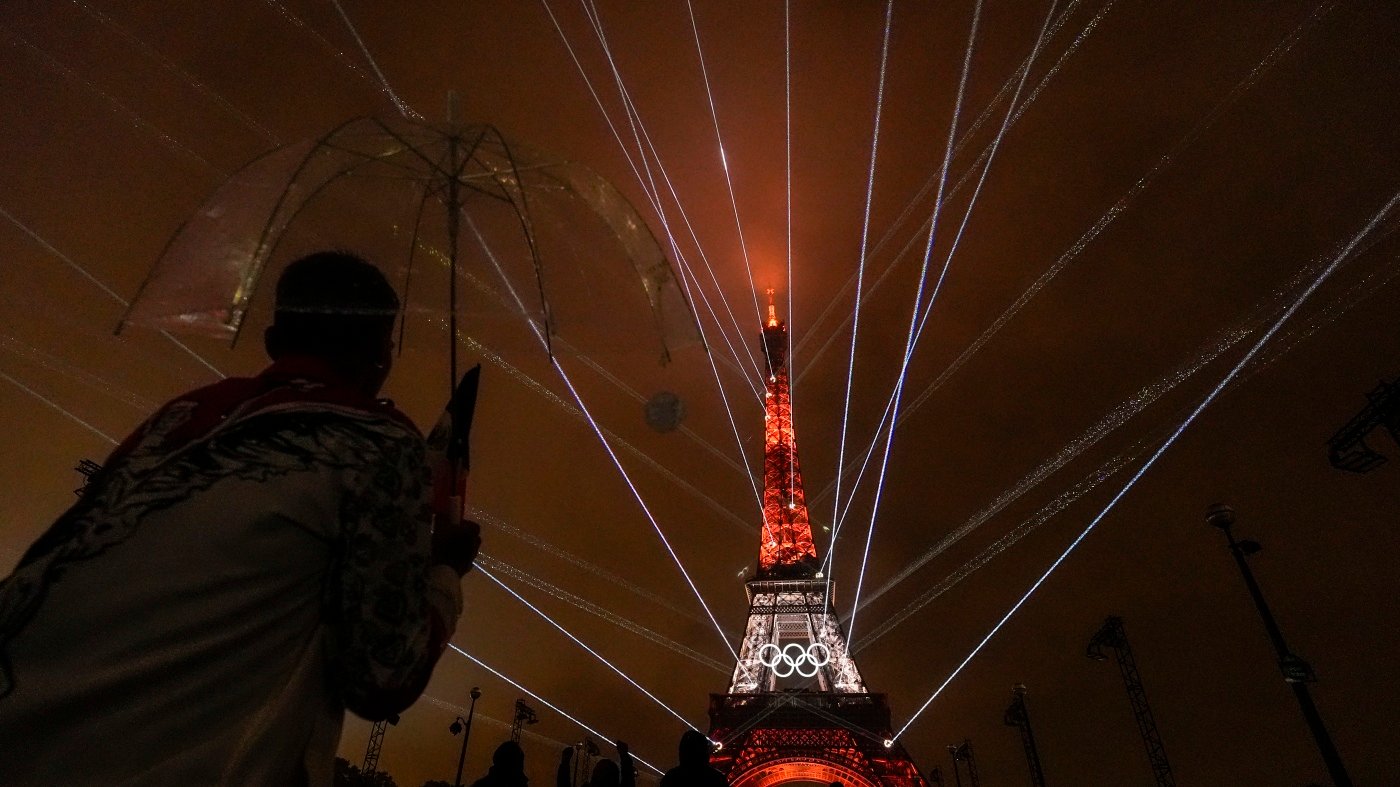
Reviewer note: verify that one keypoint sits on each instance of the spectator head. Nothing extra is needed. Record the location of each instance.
(509, 757)
(338, 308)
(605, 774)
(695, 748)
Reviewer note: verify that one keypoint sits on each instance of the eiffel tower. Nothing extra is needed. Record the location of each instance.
(797, 709)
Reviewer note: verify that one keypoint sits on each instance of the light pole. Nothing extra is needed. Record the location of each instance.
(1296, 672)
(464, 727)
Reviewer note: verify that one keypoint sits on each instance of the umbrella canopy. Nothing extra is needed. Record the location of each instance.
(440, 208)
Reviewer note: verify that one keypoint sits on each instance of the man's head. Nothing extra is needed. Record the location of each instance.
(695, 748)
(509, 757)
(338, 308)
(605, 774)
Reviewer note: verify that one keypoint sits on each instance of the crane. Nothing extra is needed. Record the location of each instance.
(1112, 636)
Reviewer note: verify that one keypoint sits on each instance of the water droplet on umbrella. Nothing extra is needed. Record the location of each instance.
(664, 411)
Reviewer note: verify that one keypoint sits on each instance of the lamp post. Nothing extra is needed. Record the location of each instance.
(1296, 672)
(464, 726)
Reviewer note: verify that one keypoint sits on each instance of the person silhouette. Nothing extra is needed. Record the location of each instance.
(606, 773)
(694, 769)
(507, 768)
(253, 561)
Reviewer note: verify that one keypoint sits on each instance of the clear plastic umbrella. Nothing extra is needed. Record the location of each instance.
(462, 220)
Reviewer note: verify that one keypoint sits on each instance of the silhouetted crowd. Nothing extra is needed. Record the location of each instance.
(508, 767)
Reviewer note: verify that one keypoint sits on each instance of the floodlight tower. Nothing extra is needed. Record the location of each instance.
(963, 753)
(88, 469)
(1017, 716)
(376, 742)
(1296, 672)
(1113, 636)
(1347, 449)
(586, 750)
(524, 714)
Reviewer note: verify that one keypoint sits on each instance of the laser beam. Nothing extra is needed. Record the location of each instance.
(1171, 439)
(60, 408)
(724, 160)
(575, 600)
(1270, 59)
(595, 654)
(86, 274)
(478, 662)
(598, 430)
(860, 278)
(1123, 202)
(931, 182)
(912, 338)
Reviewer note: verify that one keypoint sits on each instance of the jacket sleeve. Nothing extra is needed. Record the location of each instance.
(392, 615)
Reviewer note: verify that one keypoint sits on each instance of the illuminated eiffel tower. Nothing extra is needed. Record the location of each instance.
(797, 709)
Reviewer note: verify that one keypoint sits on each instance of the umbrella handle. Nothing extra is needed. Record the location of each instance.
(453, 535)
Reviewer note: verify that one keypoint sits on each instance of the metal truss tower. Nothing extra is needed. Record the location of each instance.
(376, 743)
(1113, 636)
(1347, 449)
(524, 714)
(797, 708)
(1017, 716)
(962, 753)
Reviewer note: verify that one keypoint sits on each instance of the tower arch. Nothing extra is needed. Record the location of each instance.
(796, 770)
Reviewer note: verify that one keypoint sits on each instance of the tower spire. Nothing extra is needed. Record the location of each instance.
(786, 547)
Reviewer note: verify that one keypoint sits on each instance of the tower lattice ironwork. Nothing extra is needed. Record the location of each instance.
(797, 708)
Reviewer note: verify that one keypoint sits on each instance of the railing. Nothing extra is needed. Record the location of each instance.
(796, 709)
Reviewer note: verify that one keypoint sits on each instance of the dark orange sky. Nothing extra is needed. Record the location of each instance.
(119, 118)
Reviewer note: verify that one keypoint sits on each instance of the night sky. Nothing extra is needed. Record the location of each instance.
(1175, 176)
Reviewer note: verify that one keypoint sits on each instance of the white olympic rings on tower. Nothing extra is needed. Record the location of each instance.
(792, 658)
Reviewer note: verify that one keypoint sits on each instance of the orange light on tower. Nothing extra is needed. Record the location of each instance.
(787, 531)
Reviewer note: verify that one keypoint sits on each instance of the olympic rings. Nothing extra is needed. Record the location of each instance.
(793, 658)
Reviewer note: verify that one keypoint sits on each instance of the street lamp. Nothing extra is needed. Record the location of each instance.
(464, 726)
(1296, 672)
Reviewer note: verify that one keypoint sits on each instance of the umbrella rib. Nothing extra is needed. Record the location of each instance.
(305, 203)
(246, 291)
(523, 212)
(412, 252)
(408, 147)
(385, 158)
